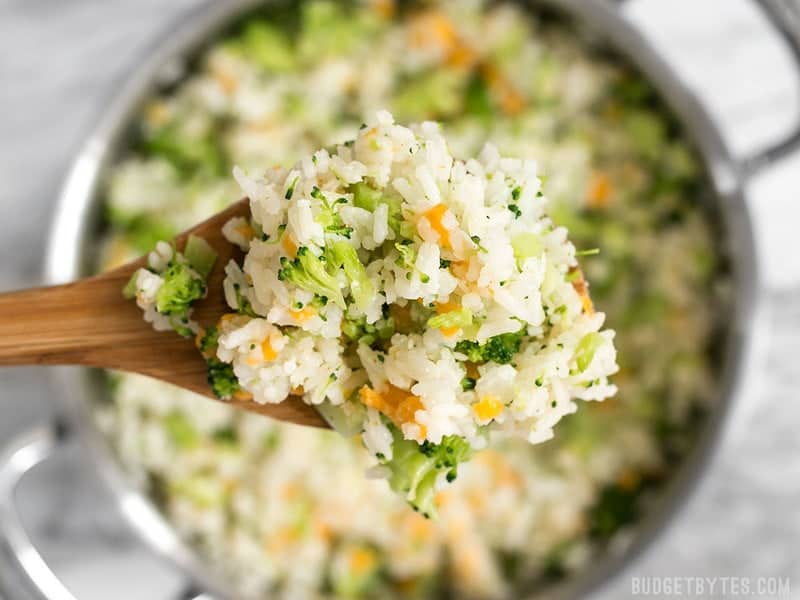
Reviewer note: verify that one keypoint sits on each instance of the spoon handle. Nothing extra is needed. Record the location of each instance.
(89, 323)
(82, 323)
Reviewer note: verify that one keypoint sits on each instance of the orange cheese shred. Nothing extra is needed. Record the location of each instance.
(434, 217)
(487, 408)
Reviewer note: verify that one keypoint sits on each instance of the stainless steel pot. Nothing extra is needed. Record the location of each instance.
(76, 225)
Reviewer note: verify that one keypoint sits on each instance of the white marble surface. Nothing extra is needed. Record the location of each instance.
(59, 60)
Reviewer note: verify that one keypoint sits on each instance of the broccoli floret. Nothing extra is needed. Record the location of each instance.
(307, 271)
(468, 383)
(222, 379)
(243, 305)
(330, 220)
(342, 255)
(454, 318)
(499, 349)
(200, 255)
(415, 468)
(180, 430)
(207, 343)
(408, 259)
(358, 330)
(367, 197)
(586, 349)
(182, 286)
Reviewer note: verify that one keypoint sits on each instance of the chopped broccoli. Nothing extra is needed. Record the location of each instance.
(526, 245)
(616, 507)
(367, 197)
(142, 232)
(500, 348)
(358, 330)
(330, 220)
(129, 291)
(478, 98)
(200, 255)
(243, 305)
(207, 343)
(182, 286)
(587, 347)
(468, 383)
(222, 379)
(267, 46)
(180, 430)
(342, 255)
(308, 272)
(454, 318)
(290, 189)
(415, 468)
(408, 259)
(226, 436)
(189, 155)
(408, 254)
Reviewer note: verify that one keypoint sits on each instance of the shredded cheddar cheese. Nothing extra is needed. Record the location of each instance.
(488, 408)
(434, 217)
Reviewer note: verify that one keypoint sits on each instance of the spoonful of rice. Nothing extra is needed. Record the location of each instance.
(384, 288)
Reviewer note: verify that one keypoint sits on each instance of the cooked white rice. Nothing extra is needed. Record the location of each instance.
(453, 218)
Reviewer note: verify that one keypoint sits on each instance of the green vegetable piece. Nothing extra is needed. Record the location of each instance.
(647, 130)
(200, 254)
(268, 47)
(408, 254)
(347, 422)
(434, 94)
(226, 436)
(478, 99)
(358, 579)
(208, 342)
(468, 383)
(290, 189)
(181, 287)
(365, 196)
(526, 245)
(222, 379)
(454, 318)
(308, 272)
(414, 467)
(330, 220)
(188, 154)
(203, 490)
(180, 430)
(353, 329)
(500, 348)
(344, 255)
(130, 289)
(586, 349)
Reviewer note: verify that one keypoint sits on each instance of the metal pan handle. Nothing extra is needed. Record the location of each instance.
(18, 458)
(784, 16)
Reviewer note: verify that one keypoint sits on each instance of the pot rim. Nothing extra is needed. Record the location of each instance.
(72, 235)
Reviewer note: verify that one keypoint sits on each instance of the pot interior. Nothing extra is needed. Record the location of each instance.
(622, 174)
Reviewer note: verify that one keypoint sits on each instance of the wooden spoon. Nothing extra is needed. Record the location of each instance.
(89, 323)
